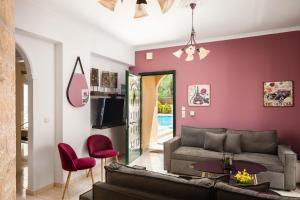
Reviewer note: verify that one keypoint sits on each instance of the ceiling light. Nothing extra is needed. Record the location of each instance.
(165, 5)
(178, 53)
(140, 10)
(191, 46)
(203, 52)
(110, 4)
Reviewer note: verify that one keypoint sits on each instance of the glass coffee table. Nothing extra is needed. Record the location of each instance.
(217, 167)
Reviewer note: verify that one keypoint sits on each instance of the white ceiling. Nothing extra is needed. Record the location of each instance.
(213, 18)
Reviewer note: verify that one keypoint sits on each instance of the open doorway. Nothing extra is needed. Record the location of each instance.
(158, 109)
(22, 123)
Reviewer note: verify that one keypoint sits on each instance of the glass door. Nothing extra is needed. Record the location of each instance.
(133, 120)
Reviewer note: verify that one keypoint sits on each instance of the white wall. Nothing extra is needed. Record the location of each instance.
(116, 134)
(70, 38)
(41, 59)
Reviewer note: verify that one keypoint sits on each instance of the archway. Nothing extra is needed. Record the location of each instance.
(24, 121)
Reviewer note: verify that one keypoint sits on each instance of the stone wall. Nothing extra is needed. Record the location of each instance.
(7, 101)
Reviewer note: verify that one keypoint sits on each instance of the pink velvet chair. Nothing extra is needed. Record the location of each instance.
(71, 163)
(100, 146)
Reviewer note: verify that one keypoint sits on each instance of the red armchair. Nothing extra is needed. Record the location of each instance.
(71, 163)
(100, 146)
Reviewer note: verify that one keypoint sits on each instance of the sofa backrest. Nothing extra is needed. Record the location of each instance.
(257, 141)
(224, 191)
(194, 137)
(153, 182)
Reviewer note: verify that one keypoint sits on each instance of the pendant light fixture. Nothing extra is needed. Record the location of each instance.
(140, 10)
(110, 4)
(165, 5)
(191, 47)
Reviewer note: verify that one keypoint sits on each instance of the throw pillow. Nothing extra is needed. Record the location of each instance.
(232, 143)
(214, 141)
(262, 187)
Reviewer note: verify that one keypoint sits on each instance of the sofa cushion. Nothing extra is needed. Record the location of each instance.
(158, 183)
(232, 143)
(195, 154)
(214, 142)
(257, 141)
(271, 162)
(194, 137)
(228, 192)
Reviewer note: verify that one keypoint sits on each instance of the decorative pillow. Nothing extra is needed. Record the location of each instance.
(257, 141)
(232, 143)
(262, 187)
(214, 141)
(194, 137)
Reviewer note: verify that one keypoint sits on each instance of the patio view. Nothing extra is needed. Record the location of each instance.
(164, 117)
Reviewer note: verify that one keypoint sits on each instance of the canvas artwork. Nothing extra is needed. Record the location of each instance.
(105, 79)
(94, 77)
(199, 95)
(278, 94)
(113, 80)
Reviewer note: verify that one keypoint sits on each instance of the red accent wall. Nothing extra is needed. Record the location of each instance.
(236, 70)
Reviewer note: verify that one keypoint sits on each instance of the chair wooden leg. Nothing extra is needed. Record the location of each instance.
(102, 169)
(117, 159)
(66, 185)
(92, 176)
(88, 173)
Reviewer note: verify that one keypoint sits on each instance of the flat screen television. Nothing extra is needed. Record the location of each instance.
(110, 112)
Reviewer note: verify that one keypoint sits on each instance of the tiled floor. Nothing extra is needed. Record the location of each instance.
(152, 161)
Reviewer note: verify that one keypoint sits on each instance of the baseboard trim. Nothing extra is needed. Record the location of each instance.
(38, 191)
(61, 185)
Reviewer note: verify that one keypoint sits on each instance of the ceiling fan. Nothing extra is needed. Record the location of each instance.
(140, 10)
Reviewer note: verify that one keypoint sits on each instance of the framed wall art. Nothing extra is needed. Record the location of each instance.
(113, 80)
(278, 94)
(105, 79)
(199, 95)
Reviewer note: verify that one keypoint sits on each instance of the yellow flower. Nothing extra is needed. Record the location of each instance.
(243, 177)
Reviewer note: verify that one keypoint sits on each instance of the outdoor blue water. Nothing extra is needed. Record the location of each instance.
(165, 120)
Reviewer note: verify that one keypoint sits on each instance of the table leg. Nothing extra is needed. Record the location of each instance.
(255, 179)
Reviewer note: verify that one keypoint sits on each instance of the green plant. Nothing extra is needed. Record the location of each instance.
(167, 109)
(159, 107)
(165, 88)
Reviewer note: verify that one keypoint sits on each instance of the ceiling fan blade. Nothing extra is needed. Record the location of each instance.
(140, 10)
(165, 5)
(110, 4)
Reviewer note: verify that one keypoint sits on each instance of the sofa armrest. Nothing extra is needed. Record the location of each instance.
(289, 161)
(170, 146)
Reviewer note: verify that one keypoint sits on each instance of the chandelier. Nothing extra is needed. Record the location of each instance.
(191, 47)
(140, 10)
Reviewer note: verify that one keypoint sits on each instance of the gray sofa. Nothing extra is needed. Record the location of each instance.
(128, 183)
(256, 146)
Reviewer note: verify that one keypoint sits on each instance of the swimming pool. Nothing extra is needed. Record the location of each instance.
(164, 120)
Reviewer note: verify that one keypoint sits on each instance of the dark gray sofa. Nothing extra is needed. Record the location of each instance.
(127, 183)
(123, 182)
(256, 146)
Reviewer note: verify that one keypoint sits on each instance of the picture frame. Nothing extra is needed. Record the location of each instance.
(278, 94)
(199, 95)
(94, 77)
(105, 79)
